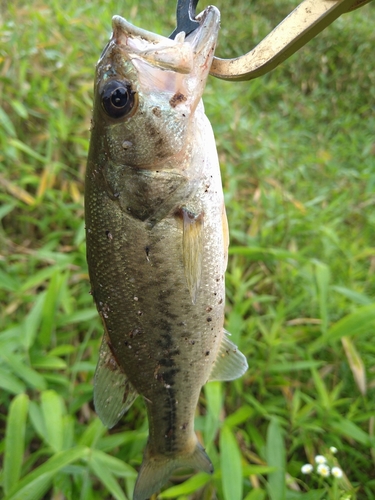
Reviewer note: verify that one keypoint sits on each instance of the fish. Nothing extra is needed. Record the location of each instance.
(157, 240)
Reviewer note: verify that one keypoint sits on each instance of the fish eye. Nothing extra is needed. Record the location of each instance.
(117, 99)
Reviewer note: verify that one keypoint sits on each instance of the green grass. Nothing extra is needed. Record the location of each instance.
(297, 153)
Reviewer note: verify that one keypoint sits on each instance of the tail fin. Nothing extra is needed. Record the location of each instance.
(155, 471)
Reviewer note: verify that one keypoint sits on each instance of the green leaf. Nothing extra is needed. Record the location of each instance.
(104, 474)
(32, 321)
(10, 383)
(356, 297)
(294, 366)
(52, 409)
(92, 433)
(187, 487)
(321, 389)
(275, 454)
(264, 254)
(231, 465)
(50, 307)
(8, 282)
(6, 122)
(360, 321)
(15, 440)
(239, 416)
(256, 494)
(48, 363)
(214, 400)
(350, 430)
(115, 465)
(257, 470)
(36, 483)
(30, 376)
(78, 317)
(310, 495)
(37, 419)
(322, 276)
(27, 150)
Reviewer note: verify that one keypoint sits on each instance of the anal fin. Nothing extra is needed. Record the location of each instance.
(192, 250)
(230, 362)
(113, 393)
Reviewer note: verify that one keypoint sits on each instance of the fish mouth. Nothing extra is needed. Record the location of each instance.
(176, 55)
(121, 27)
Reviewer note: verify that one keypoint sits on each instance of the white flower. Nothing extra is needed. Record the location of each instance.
(307, 469)
(319, 459)
(323, 470)
(333, 450)
(336, 472)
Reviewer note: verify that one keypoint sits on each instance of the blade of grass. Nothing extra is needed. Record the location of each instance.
(104, 474)
(276, 457)
(214, 399)
(187, 487)
(35, 484)
(15, 440)
(52, 409)
(231, 465)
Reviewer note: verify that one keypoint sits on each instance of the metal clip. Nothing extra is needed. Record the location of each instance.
(185, 15)
(302, 24)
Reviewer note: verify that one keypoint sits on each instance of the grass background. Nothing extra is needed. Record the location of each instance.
(297, 151)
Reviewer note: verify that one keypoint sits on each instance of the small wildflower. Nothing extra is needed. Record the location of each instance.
(323, 470)
(319, 459)
(336, 472)
(333, 450)
(307, 469)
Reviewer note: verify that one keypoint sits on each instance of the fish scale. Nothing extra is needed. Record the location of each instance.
(157, 241)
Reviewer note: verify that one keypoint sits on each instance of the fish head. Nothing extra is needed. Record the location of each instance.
(147, 90)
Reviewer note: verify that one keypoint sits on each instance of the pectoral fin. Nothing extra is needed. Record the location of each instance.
(192, 250)
(230, 362)
(113, 393)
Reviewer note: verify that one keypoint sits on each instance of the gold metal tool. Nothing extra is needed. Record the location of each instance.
(302, 24)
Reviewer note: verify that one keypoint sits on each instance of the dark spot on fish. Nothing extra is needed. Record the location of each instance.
(209, 319)
(156, 111)
(208, 309)
(109, 235)
(192, 342)
(166, 362)
(147, 250)
(177, 99)
(169, 433)
(183, 427)
(220, 301)
(207, 353)
(140, 313)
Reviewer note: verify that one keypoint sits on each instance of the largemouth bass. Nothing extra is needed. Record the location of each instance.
(157, 240)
